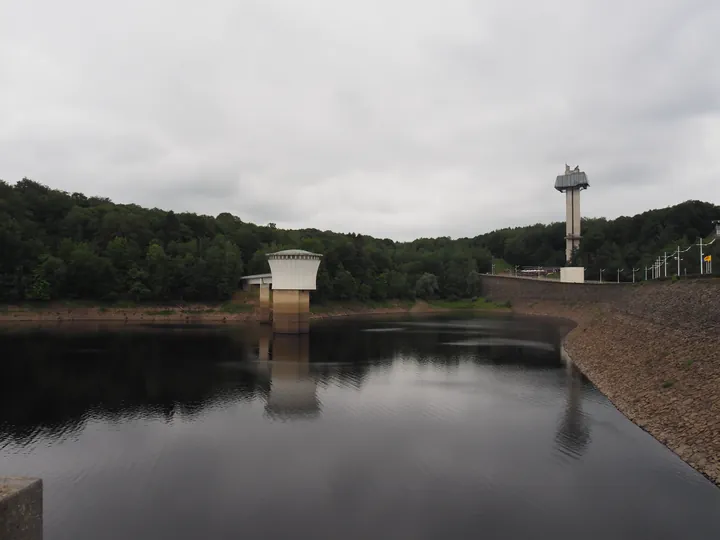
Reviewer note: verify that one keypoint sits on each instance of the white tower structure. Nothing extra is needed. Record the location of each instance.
(294, 275)
(572, 183)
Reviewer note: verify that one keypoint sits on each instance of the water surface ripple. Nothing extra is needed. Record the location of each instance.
(405, 427)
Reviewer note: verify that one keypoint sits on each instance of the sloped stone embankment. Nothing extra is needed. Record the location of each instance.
(652, 349)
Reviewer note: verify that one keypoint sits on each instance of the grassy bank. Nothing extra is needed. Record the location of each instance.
(477, 304)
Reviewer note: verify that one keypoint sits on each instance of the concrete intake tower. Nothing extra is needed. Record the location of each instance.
(294, 275)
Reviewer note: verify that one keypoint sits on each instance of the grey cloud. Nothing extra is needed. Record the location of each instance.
(394, 118)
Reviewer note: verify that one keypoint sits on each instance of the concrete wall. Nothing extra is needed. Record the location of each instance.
(693, 304)
(528, 290)
(21, 509)
(572, 274)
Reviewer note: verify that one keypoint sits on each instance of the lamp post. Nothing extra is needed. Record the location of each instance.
(677, 256)
(702, 255)
(601, 272)
(618, 274)
(637, 270)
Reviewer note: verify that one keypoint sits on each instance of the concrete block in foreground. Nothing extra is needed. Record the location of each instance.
(21, 509)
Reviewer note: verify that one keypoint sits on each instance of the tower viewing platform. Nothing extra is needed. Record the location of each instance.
(574, 179)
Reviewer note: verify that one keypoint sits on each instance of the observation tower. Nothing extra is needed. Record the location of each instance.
(572, 183)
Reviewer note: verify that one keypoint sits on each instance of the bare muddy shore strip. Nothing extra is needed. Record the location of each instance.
(202, 313)
(193, 313)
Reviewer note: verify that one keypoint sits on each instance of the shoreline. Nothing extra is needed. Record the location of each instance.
(662, 380)
(204, 313)
(196, 314)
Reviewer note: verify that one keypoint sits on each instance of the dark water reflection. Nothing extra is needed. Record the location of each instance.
(400, 428)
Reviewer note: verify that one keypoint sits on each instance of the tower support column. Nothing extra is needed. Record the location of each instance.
(572, 223)
(291, 312)
(264, 305)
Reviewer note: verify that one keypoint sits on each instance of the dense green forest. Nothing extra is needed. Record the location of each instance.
(58, 245)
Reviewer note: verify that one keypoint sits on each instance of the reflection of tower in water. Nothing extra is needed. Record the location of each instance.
(573, 434)
(293, 389)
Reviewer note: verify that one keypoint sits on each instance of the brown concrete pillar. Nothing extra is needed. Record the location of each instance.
(291, 312)
(264, 314)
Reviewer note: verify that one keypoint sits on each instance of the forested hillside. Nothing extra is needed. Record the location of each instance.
(622, 243)
(56, 245)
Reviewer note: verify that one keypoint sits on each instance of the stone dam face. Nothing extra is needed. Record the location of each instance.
(689, 303)
(652, 348)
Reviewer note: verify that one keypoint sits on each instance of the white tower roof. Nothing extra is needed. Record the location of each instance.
(292, 253)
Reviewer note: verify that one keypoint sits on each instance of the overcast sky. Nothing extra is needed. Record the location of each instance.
(396, 118)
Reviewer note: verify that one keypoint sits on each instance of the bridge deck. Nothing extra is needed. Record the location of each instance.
(256, 279)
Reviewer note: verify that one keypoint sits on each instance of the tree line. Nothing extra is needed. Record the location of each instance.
(58, 245)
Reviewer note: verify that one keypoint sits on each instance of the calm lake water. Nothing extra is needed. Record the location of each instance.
(416, 428)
